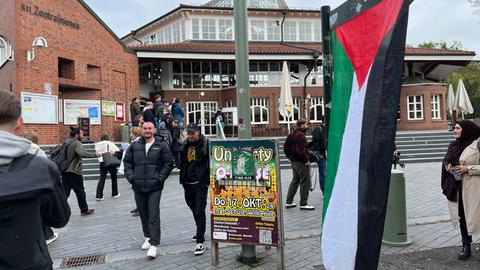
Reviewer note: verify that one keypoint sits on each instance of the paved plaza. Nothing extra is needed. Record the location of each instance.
(113, 232)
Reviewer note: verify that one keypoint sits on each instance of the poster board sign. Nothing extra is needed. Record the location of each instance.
(108, 108)
(75, 108)
(120, 112)
(245, 198)
(39, 108)
(84, 125)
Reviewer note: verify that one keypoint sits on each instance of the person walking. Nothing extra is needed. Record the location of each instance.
(106, 146)
(148, 163)
(31, 195)
(296, 150)
(178, 112)
(318, 151)
(461, 182)
(135, 109)
(73, 176)
(195, 179)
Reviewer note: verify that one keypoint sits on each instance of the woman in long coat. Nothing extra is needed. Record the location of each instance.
(462, 190)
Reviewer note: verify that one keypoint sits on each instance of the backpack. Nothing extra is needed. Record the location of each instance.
(58, 155)
(287, 144)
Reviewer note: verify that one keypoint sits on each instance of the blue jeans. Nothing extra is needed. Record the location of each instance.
(322, 172)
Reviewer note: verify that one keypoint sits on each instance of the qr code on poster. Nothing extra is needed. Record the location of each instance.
(265, 237)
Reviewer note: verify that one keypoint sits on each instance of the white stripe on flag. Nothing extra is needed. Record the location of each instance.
(339, 234)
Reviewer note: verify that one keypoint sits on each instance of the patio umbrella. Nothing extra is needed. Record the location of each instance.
(462, 102)
(286, 101)
(450, 99)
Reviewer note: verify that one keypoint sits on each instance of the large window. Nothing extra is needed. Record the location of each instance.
(203, 74)
(290, 30)
(317, 32)
(195, 29)
(435, 107)
(415, 107)
(209, 29)
(5, 51)
(296, 113)
(305, 31)
(259, 108)
(225, 29)
(258, 30)
(273, 31)
(176, 32)
(317, 109)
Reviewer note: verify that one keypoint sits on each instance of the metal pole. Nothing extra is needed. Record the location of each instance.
(327, 64)
(243, 91)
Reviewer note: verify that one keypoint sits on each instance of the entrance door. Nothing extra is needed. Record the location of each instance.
(203, 113)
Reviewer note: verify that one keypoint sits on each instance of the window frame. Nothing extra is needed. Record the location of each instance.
(263, 104)
(435, 107)
(415, 110)
(295, 114)
(316, 103)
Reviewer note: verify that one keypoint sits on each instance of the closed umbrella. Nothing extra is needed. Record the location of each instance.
(462, 102)
(286, 101)
(450, 99)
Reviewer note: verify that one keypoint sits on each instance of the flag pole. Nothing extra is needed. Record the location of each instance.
(327, 66)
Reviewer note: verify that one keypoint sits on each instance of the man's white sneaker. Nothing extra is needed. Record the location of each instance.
(199, 249)
(290, 205)
(152, 252)
(146, 245)
(53, 238)
(307, 207)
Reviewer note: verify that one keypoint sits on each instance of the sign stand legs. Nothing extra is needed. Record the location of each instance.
(215, 253)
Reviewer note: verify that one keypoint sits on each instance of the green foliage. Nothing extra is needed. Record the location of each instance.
(455, 45)
(471, 78)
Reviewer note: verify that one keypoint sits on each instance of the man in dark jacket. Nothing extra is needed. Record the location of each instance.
(296, 149)
(31, 195)
(73, 176)
(317, 148)
(135, 109)
(195, 178)
(148, 163)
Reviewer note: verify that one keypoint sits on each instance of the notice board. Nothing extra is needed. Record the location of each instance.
(39, 108)
(75, 108)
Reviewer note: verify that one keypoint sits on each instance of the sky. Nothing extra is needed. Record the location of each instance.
(429, 20)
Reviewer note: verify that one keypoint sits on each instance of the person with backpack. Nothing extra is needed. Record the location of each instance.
(296, 150)
(195, 179)
(148, 164)
(73, 176)
(31, 195)
(106, 146)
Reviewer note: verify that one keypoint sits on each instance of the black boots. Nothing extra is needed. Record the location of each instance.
(465, 253)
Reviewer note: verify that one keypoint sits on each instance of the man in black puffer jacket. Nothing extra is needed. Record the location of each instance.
(148, 163)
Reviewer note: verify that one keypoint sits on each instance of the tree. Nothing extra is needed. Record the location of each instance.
(455, 45)
(475, 5)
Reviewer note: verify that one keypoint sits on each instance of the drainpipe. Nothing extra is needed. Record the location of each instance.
(133, 33)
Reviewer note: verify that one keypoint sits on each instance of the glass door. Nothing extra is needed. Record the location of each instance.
(203, 113)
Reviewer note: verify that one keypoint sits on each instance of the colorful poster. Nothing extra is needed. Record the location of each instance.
(243, 192)
(120, 112)
(108, 108)
(74, 108)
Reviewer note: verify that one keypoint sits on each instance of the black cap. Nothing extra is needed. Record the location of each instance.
(192, 127)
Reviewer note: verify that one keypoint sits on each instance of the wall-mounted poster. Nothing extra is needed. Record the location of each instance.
(39, 109)
(120, 112)
(75, 108)
(108, 108)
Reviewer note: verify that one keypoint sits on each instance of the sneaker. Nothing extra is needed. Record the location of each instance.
(146, 245)
(290, 205)
(100, 199)
(152, 252)
(53, 238)
(88, 212)
(116, 196)
(194, 238)
(307, 207)
(199, 249)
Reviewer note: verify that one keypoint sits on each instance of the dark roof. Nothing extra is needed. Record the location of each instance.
(273, 48)
(104, 25)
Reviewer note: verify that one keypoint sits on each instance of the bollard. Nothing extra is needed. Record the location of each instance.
(395, 230)
(125, 133)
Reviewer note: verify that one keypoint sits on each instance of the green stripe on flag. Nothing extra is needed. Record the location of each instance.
(342, 89)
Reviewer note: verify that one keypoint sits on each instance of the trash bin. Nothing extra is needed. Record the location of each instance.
(125, 133)
(395, 230)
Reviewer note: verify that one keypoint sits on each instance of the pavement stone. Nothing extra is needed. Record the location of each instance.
(114, 232)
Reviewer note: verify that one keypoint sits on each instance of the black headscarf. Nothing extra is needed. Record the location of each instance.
(470, 132)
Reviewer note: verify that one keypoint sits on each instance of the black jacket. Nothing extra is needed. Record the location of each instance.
(147, 173)
(318, 141)
(31, 197)
(201, 162)
(148, 116)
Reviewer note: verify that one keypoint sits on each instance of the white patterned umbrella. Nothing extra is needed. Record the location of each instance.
(286, 101)
(462, 102)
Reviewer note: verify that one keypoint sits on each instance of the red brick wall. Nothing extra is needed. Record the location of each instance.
(91, 44)
(7, 30)
(427, 123)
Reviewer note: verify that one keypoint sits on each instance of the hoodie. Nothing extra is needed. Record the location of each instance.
(12, 147)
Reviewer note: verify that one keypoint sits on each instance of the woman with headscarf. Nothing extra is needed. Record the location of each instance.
(461, 182)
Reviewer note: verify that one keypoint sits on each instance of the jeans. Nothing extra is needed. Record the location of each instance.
(466, 238)
(196, 199)
(148, 205)
(176, 158)
(103, 176)
(321, 162)
(75, 182)
(301, 177)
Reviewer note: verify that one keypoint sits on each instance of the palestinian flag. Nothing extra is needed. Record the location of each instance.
(368, 47)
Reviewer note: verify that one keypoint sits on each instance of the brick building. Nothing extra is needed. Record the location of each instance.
(77, 64)
(189, 53)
